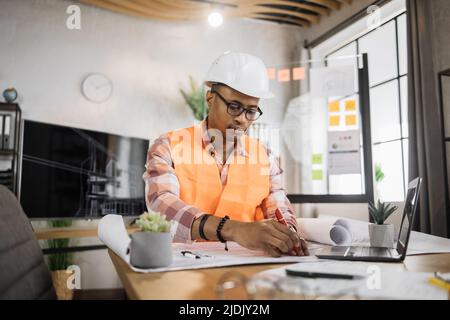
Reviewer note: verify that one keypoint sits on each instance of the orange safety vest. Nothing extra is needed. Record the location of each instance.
(199, 177)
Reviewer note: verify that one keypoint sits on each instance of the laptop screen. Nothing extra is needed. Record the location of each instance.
(408, 215)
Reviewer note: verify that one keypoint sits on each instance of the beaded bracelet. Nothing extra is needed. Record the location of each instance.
(219, 229)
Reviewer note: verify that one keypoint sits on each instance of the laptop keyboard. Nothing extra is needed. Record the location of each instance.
(369, 251)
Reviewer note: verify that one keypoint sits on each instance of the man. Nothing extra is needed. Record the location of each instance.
(216, 183)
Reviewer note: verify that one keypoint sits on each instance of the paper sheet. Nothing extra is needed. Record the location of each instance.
(332, 81)
(344, 152)
(112, 232)
(421, 243)
(393, 284)
(236, 255)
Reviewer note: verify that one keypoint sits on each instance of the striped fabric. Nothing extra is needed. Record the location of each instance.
(162, 188)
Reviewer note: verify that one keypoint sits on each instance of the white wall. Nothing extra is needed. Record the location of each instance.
(148, 62)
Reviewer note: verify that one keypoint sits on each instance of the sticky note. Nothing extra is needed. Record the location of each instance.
(350, 120)
(333, 106)
(317, 158)
(317, 174)
(350, 105)
(271, 73)
(298, 73)
(284, 75)
(334, 121)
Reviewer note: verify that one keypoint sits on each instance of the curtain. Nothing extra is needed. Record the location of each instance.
(426, 148)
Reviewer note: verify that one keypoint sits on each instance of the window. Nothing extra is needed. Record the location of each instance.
(387, 53)
(389, 106)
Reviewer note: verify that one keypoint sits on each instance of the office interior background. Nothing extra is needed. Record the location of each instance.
(148, 60)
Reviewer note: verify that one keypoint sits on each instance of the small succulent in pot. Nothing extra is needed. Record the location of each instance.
(151, 247)
(381, 234)
(381, 211)
(153, 222)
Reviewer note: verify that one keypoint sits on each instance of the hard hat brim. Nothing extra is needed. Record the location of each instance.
(259, 95)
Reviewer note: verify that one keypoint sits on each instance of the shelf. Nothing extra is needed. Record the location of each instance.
(9, 106)
(7, 152)
(60, 233)
(97, 196)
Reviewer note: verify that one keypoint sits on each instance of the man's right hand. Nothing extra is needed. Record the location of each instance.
(269, 236)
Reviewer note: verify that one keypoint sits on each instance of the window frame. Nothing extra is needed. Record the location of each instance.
(364, 97)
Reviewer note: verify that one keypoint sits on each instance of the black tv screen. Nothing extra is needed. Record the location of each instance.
(70, 172)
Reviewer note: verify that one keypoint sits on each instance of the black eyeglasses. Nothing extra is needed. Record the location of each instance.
(235, 109)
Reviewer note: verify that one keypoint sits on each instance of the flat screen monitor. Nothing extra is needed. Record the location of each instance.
(74, 173)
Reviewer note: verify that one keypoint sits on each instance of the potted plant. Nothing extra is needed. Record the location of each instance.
(151, 247)
(195, 99)
(381, 234)
(379, 177)
(59, 262)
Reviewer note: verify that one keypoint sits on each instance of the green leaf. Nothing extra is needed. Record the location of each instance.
(153, 222)
(388, 212)
(59, 261)
(195, 99)
(381, 211)
(379, 175)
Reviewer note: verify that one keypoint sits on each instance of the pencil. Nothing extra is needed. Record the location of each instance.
(439, 283)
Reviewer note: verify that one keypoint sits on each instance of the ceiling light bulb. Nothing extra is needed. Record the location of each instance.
(215, 19)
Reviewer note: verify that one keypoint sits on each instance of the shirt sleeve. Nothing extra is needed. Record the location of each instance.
(277, 195)
(162, 191)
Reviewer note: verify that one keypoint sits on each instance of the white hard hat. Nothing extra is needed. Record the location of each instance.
(242, 72)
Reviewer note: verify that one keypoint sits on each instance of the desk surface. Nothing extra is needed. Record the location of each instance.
(200, 284)
(72, 232)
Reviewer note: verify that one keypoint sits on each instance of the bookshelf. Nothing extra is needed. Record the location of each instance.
(10, 133)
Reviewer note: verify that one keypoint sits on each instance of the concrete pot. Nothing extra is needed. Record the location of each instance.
(381, 235)
(151, 249)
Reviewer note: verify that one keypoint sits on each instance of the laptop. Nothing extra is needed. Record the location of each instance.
(358, 253)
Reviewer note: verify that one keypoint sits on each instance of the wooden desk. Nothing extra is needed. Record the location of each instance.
(72, 232)
(200, 284)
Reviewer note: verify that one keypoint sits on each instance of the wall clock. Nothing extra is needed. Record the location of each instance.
(97, 87)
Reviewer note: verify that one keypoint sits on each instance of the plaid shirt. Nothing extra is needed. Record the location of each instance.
(162, 188)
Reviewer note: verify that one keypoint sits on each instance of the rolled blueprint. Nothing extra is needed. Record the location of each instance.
(112, 232)
(333, 231)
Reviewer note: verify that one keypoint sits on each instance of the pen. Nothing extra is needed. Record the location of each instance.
(309, 274)
(282, 221)
(195, 255)
(190, 254)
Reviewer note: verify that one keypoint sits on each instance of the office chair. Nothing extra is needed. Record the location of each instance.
(24, 274)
